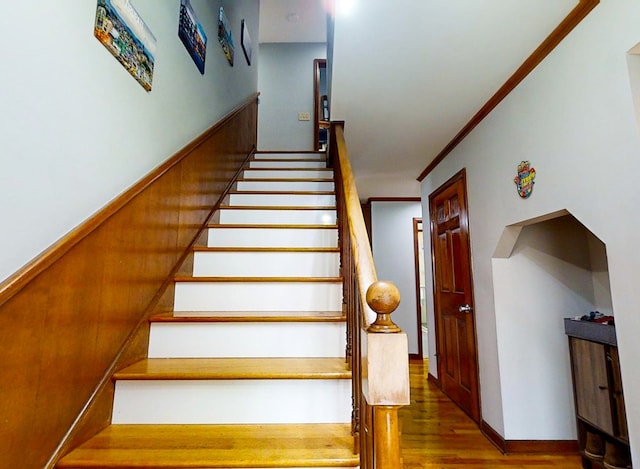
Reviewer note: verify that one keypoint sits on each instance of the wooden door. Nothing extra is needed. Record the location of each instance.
(453, 296)
(593, 402)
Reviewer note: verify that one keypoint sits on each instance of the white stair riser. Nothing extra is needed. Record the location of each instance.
(247, 339)
(288, 164)
(321, 186)
(258, 296)
(273, 237)
(232, 401)
(289, 200)
(231, 216)
(289, 156)
(266, 264)
(286, 174)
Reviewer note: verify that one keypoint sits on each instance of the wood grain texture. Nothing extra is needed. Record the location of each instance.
(67, 316)
(308, 152)
(572, 20)
(285, 179)
(319, 159)
(235, 368)
(387, 436)
(258, 249)
(383, 297)
(299, 227)
(283, 192)
(353, 219)
(378, 357)
(302, 208)
(436, 434)
(289, 170)
(245, 316)
(260, 279)
(385, 368)
(216, 446)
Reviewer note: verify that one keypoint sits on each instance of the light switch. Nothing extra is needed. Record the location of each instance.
(304, 116)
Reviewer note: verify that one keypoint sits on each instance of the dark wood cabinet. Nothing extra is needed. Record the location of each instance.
(597, 385)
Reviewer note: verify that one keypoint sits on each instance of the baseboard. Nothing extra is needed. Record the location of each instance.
(542, 446)
(493, 436)
(527, 446)
(434, 380)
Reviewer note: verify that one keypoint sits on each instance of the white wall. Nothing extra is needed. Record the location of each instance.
(76, 129)
(393, 254)
(546, 278)
(600, 276)
(285, 81)
(573, 118)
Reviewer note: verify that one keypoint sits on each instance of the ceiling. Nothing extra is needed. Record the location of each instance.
(293, 21)
(408, 75)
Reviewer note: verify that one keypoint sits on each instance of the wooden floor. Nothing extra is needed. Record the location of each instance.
(437, 434)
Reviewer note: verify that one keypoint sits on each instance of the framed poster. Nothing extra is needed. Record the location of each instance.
(225, 37)
(122, 31)
(192, 34)
(245, 41)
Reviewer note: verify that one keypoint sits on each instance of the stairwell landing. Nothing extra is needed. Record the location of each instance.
(249, 369)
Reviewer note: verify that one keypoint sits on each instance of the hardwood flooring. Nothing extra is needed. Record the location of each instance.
(435, 433)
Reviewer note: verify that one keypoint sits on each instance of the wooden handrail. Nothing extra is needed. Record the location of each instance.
(361, 248)
(377, 350)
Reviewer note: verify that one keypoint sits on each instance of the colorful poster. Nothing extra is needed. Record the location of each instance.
(225, 37)
(121, 30)
(192, 35)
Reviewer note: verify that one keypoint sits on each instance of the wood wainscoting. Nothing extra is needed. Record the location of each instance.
(78, 312)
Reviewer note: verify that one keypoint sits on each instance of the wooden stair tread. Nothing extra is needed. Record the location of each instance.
(319, 156)
(288, 169)
(249, 316)
(235, 368)
(277, 207)
(286, 152)
(216, 446)
(261, 249)
(287, 160)
(257, 226)
(260, 279)
(285, 179)
(283, 192)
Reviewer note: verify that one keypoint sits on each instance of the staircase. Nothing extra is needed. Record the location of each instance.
(249, 369)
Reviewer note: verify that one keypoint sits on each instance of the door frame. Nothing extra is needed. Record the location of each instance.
(459, 177)
(317, 65)
(416, 254)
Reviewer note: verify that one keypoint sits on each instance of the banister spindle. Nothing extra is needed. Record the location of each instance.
(383, 298)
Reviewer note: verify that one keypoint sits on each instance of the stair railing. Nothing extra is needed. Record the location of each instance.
(377, 350)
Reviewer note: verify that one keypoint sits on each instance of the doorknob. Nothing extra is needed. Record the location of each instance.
(465, 309)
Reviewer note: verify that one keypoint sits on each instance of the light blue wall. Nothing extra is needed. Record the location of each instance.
(77, 130)
(285, 82)
(394, 256)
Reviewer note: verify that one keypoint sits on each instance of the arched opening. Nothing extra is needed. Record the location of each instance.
(545, 270)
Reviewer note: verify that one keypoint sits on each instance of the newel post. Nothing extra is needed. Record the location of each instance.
(387, 374)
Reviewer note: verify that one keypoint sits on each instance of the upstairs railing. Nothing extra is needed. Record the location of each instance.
(377, 350)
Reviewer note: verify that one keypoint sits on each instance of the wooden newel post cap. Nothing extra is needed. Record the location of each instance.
(383, 297)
